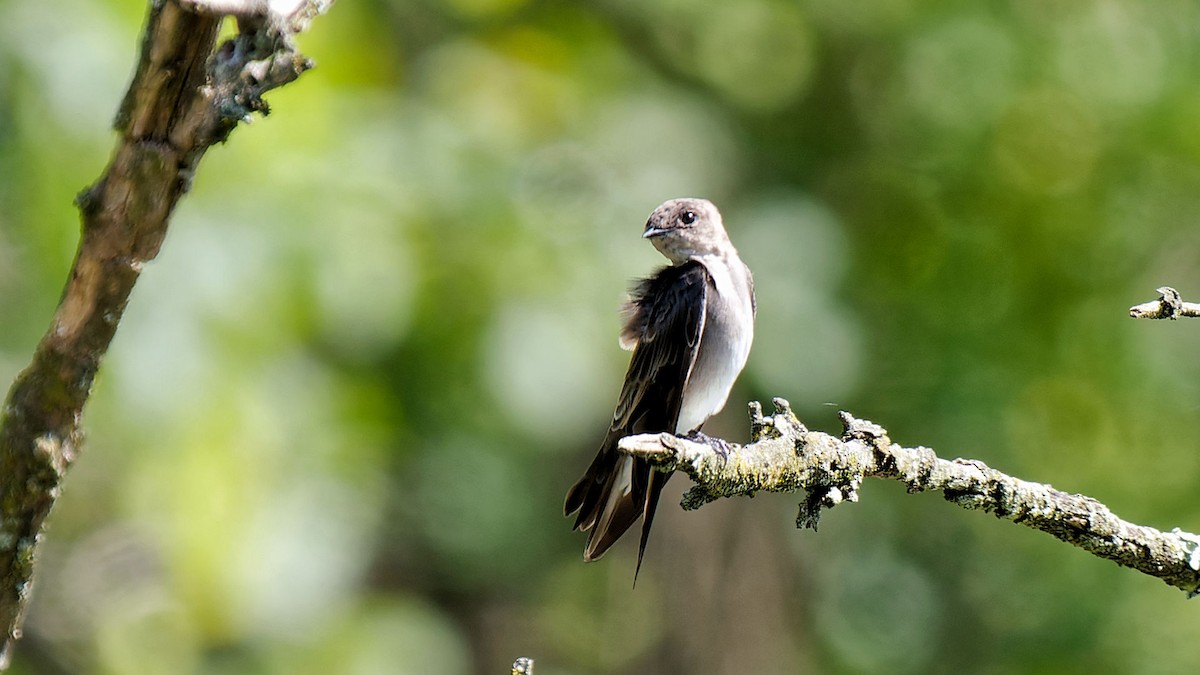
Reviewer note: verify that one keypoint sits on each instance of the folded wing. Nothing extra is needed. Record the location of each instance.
(666, 322)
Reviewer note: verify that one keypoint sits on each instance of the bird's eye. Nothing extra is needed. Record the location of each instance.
(688, 217)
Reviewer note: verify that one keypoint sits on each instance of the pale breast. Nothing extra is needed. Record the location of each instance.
(724, 344)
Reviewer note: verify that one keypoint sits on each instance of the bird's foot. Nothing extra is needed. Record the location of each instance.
(719, 445)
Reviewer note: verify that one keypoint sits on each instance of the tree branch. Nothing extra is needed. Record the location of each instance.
(186, 95)
(786, 457)
(1169, 305)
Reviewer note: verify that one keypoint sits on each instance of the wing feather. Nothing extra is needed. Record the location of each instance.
(665, 320)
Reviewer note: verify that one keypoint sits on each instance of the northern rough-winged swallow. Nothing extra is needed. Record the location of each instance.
(690, 326)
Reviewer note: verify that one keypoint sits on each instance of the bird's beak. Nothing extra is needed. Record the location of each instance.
(652, 232)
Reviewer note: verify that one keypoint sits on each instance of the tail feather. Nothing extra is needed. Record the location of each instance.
(617, 512)
(610, 497)
(658, 481)
(590, 493)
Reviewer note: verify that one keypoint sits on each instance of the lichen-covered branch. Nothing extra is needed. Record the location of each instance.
(1169, 305)
(784, 456)
(186, 95)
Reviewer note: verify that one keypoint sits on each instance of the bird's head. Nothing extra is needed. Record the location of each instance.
(683, 228)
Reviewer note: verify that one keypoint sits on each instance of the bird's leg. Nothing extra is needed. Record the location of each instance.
(719, 445)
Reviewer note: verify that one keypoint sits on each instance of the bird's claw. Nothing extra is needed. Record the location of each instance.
(719, 445)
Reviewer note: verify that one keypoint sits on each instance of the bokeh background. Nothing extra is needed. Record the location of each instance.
(337, 422)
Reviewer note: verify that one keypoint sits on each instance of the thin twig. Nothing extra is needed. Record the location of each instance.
(1169, 305)
(786, 457)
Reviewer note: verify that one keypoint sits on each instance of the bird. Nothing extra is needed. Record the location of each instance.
(689, 325)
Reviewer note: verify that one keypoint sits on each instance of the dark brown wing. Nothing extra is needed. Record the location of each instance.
(668, 321)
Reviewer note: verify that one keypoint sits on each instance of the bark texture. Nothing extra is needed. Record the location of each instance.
(1169, 305)
(186, 95)
(786, 457)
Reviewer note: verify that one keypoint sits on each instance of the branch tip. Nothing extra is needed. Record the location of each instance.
(756, 413)
(860, 430)
(1169, 305)
(782, 407)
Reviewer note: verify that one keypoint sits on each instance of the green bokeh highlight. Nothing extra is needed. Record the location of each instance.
(337, 422)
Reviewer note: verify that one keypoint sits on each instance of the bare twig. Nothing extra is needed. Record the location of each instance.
(1168, 306)
(786, 457)
(186, 95)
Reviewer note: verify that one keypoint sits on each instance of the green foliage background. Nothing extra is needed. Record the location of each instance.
(335, 427)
